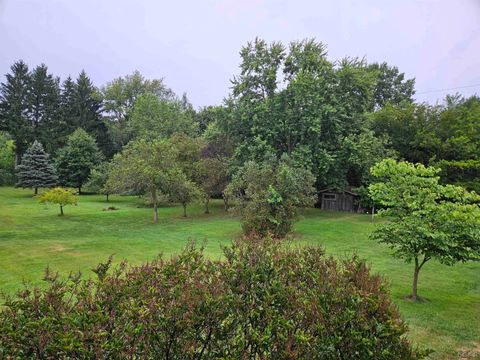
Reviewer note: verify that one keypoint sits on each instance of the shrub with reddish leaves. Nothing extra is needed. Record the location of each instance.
(264, 300)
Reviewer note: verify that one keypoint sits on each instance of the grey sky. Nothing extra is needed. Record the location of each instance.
(194, 45)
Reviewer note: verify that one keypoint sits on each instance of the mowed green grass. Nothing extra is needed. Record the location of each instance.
(33, 236)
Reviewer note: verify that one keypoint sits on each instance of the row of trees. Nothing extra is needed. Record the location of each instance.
(72, 166)
(337, 118)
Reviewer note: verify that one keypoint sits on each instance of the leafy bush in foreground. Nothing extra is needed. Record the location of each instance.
(263, 301)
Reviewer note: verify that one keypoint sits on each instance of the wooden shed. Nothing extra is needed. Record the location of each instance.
(331, 199)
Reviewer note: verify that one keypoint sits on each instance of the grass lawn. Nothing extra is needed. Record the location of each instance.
(32, 236)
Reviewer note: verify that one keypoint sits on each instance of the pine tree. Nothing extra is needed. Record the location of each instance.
(44, 107)
(36, 170)
(14, 107)
(88, 106)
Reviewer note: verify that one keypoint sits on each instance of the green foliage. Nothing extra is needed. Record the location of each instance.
(97, 182)
(36, 170)
(59, 196)
(7, 160)
(268, 195)
(44, 107)
(75, 161)
(183, 191)
(317, 112)
(262, 301)
(427, 220)
(14, 104)
(155, 118)
(120, 96)
(146, 167)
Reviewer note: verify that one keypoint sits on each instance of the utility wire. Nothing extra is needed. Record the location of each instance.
(447, 89)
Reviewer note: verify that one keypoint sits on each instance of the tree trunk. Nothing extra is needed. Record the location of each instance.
(418, 267)
(61, 210)
(415, 280)
(373, 213)
(36, 191)
(18, 158)
(225, 203)
(155, 206)
(107, 197)
(207, 211)
(184, 209)
(80, 190)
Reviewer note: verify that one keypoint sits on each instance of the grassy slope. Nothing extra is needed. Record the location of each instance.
(33, 236)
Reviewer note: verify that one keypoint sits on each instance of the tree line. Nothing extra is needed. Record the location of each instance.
(335, 118)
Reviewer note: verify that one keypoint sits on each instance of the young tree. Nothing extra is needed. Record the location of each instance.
(75, 161)
(214, 179)
(268, 196)
(60, 196)
(97, 181)
(145, 167)
(426, 220)
(183, 191)
(36, 170)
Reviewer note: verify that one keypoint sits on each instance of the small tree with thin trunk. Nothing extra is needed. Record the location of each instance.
(97, 181)
(145, 167)
(60, 196)
(213, 180)
(36, 171)
(183, 191)
(426, 220)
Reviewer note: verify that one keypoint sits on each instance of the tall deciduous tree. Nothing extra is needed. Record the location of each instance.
(75, 161)
(14, 107)
(120, 96)
(36, 170)
(155, 118)
(427, 220)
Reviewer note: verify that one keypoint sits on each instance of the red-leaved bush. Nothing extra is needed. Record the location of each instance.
(264, 300)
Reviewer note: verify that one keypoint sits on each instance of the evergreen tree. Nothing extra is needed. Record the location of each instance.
(68, 113)
(36, 169)
(44, 106)
(76, 160)
(88, 116)
(14, 102)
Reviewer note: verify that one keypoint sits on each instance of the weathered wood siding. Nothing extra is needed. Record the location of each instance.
(338, 201)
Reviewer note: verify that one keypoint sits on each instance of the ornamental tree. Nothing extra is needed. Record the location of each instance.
(427, 220)
(36, 170)
(60, 196)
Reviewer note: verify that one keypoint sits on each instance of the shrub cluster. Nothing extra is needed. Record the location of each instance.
(268, 195)
(262, 301)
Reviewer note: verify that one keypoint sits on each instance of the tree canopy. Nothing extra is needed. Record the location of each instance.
(426, 220)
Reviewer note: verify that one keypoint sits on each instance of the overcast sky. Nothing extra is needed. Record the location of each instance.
(194, 45)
